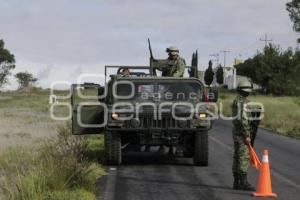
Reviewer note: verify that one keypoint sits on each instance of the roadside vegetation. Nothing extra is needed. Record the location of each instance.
(39, 158)
(275, 70)
(61, 168)
(281, 115)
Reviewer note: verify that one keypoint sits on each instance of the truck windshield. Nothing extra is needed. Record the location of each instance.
(181, 91)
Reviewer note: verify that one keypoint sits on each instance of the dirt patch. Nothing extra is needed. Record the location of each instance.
(16, 132)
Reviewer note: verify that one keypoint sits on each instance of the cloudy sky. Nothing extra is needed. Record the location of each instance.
(60, 39)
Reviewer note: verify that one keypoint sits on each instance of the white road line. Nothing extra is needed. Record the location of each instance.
(109, 189)
(275, 173)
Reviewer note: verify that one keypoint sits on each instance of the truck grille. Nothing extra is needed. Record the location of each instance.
(166, 122)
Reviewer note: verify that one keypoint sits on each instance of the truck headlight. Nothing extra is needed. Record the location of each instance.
(202, 115)
(115, 116)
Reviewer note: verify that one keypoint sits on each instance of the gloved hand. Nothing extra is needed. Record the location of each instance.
(247, 140)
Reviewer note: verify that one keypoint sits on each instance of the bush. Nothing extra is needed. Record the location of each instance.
(53, 169)
(95, 148)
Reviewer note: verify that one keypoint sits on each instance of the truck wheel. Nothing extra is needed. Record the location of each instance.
(113, 152)
(201, 148)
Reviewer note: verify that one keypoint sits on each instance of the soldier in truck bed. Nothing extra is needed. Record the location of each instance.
(174, 65)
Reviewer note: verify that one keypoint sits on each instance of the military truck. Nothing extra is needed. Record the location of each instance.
(142, 112)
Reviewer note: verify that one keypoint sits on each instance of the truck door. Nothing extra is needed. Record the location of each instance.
(88, 112)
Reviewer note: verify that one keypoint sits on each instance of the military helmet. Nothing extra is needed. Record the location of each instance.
(245, 86)
(172, 49)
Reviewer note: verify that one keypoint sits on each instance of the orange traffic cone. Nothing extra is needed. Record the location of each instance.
(264, 186)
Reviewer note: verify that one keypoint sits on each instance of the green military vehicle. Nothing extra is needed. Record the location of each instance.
(141, 112)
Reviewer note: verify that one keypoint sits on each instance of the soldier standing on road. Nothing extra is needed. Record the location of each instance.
(175, 64)
(241, 137)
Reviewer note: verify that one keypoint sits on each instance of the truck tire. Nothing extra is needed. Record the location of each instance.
(201, 148)
(113, 152)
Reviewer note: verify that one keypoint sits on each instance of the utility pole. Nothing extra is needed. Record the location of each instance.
(216, 57)
(266, 40)
(224, 52)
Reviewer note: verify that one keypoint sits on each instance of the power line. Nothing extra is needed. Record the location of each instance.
(224, 52)
(266, 40)
(247, 47)
(240, 51)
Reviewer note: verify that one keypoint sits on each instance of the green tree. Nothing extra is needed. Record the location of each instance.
(293, 8)
(25, 79)
(220, 75)
(274, 70)
(193, 72)
(209, 74)
(7, 63)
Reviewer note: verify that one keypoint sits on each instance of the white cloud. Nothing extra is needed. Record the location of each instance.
(55, 38)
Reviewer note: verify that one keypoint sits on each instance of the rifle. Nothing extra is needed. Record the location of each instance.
(256, 113)
(150, 49)
(152, 70)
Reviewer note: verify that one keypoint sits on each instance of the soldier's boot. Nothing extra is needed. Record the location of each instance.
(245, 185)
(236, 181)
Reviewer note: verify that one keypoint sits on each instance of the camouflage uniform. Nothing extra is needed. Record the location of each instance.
(175, 68)
(241, 130)
(241, 137)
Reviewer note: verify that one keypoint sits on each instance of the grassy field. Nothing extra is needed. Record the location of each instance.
(39, 158)
(282, 114)
(25, 117)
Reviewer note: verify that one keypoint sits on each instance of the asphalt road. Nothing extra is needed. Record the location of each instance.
(157, 177)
